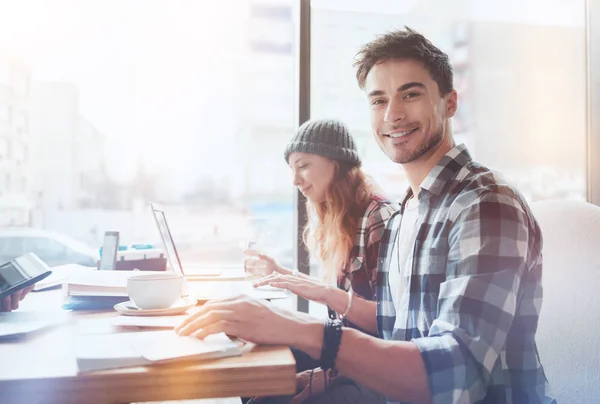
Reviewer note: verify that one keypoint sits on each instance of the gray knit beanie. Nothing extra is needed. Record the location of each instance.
(325, 137)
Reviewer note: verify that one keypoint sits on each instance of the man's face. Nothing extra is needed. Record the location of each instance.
(408, 115)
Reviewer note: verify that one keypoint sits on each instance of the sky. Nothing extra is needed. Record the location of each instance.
(155, 77)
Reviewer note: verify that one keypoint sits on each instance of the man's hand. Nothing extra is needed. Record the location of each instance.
(252, 320)
(304, 386)
(308, 388)
(309, 288)
(11, 302)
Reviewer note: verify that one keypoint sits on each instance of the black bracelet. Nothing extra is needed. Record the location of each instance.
(332, 336)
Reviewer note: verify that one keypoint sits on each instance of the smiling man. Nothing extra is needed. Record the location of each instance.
(459, 279)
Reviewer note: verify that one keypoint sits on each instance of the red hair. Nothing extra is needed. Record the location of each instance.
(332, 238)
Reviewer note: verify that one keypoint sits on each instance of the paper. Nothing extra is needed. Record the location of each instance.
(60, 274)
(220, 290)
(99, 352)
(148, 321)
(17, 324)
(168, 345)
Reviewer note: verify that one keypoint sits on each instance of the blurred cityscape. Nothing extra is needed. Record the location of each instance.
(522, 110)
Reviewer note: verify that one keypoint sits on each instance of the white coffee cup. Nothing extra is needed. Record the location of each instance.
(155, 291)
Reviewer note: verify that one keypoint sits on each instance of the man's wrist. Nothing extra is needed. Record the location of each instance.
(307, 335)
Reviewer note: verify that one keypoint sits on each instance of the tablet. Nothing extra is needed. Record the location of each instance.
(21, 272)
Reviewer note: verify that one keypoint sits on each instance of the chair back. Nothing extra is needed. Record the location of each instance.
(568, 336)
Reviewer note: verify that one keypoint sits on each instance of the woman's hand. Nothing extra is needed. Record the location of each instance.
(307, 287)
(262, 264)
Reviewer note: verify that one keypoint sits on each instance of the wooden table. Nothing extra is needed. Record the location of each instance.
(42, 369)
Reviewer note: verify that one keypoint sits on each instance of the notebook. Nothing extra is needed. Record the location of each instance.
(101, 351)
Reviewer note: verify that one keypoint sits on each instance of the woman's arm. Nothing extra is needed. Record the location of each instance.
(363, 311)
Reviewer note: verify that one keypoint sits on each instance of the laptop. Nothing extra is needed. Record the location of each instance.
(171, 251)
(207, 290)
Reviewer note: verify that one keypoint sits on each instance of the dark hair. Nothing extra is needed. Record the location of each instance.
(405, 44)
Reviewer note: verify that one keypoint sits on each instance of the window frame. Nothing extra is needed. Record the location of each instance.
(593, 100)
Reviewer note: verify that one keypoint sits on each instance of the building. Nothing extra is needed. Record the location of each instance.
(266, 113)
(15, 142)
(68, 151)
(89, 153)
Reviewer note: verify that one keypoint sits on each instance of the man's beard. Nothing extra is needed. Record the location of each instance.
(432, 143)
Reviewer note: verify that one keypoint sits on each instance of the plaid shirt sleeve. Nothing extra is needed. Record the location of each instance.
(491, 241)
(377, 221)
(361, 272)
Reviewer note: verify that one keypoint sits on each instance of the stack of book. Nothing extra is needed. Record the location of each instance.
(92, 289)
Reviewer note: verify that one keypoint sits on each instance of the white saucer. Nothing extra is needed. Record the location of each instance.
(130, 309)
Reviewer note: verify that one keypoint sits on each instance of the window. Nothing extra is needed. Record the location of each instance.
(519, 73)
(45, 248)
(4, 71)
(174, 111)
(3, 149)
(3, 113)
(10, 247)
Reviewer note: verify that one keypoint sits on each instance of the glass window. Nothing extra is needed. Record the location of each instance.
(4, 71)
(520, 75)
(10, 247)
(3, 113)
(20, 83)
(3, 149)
(47, 249)
(194, 115)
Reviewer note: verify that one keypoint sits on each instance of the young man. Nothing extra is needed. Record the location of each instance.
(459, 283)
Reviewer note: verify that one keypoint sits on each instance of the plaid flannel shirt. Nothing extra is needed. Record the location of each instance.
(473, 295)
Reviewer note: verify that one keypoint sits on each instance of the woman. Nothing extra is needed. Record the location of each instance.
(347, 217)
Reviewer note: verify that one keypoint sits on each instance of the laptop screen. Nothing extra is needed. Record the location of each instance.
(167, 238)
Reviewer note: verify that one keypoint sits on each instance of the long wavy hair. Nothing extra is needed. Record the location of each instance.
(331, 238)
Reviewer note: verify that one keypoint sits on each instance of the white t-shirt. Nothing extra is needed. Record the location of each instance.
(402, 254)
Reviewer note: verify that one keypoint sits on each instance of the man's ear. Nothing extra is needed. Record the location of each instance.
(451, 104)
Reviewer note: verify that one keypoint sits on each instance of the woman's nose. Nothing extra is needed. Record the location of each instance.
(297, 180)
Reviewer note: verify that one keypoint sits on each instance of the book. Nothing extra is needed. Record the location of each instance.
(114, 284)
(100, 283)
(95, 352)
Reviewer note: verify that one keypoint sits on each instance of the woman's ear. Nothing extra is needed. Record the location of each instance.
(336, 168)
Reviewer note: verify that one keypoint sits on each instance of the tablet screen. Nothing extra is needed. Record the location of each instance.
(21, 272)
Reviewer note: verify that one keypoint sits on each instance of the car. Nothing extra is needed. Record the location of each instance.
(52, 248)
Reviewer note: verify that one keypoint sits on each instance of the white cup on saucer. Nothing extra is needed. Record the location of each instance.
(155, 291)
